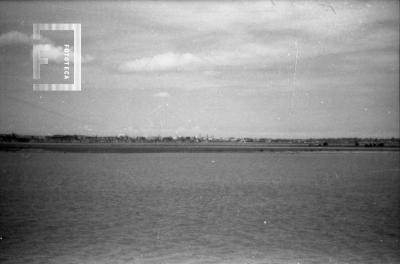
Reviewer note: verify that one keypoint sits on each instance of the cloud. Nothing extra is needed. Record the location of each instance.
(162, 62)
(46, 46)
(53, 53)
(243, 54)
(56, 54)
(14, 37)
(87, 58)
(162, 95)
(245, 35)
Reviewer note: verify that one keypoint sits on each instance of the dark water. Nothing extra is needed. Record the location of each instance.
(338, 207)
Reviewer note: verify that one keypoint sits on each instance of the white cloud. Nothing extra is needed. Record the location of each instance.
(245, 34)
(162, 94)
(53, 53)
(56, 54)
(14, 37)
(48, 49)
(242, 54)
(87, 58)
(162, 62)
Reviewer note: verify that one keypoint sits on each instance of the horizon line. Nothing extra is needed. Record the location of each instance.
(207, 136)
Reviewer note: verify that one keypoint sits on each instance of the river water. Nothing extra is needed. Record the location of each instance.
(282, 207)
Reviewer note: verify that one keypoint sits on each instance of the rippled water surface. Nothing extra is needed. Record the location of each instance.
(328, 207)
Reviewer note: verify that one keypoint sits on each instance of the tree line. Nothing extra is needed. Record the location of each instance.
(321, 142)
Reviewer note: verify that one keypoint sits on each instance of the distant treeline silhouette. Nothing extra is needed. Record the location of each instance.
(323, 142)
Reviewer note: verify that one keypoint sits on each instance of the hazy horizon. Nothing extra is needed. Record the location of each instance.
(263, 69)
(201, 136)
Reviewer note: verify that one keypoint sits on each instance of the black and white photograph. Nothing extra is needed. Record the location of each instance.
(199, 132)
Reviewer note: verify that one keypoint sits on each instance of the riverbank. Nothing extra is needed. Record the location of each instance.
(165, 147)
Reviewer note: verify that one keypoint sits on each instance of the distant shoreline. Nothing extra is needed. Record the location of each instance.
(182, 147)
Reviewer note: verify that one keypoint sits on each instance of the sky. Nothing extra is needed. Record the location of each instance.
(275, 69)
